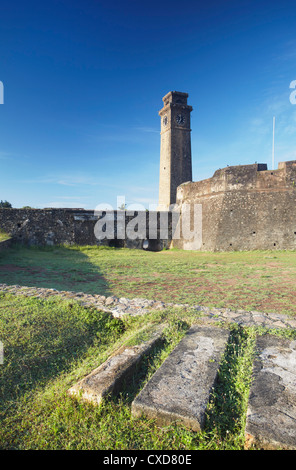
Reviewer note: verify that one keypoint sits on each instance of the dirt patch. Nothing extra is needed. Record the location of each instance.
(12, 268)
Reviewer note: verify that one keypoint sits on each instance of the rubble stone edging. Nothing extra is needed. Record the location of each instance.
(120, 307)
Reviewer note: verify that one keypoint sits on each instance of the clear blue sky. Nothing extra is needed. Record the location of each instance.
(84, 81)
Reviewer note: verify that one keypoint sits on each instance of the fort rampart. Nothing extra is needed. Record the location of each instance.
(43, 227)
(245, 208)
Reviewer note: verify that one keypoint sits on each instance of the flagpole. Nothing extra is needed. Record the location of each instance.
(273, 142)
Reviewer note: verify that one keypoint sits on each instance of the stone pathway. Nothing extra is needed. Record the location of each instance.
(119, 307)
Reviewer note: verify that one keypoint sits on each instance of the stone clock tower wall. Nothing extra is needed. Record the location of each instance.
(175, 147)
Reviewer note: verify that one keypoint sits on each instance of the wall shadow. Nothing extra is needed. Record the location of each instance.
(59, 267)
(55, 334)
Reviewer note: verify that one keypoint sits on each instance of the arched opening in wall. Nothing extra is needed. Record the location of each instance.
(151, 245)
(116, 243)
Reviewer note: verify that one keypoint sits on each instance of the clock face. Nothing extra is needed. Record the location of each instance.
(180, 119)
(165, 120)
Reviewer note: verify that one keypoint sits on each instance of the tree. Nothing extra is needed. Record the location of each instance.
(5, 205)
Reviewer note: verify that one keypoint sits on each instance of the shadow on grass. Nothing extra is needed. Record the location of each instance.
(40, 337)
(43, 338)
(58, 267)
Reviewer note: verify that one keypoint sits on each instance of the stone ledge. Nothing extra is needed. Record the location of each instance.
(109, 377)
(271, 414)
(179, 390)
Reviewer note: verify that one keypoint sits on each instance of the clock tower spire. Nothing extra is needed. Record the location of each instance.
(175, 147)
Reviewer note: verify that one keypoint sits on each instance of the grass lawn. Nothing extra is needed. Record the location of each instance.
(263, 281)
(51, 344)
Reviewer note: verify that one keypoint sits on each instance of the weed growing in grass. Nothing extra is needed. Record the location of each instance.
(228, 404)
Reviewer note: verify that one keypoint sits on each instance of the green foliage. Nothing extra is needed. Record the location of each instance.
(5, 204)
(228, 404)
(3, 235)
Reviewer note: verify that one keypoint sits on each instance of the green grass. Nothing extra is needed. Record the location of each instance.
(259, 280)
(3, 236)
(49, 345)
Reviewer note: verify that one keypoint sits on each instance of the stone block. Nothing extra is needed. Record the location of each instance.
(180, 389)
(109, 377)
(271, 414)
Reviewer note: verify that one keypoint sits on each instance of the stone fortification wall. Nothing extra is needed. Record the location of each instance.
(245, 208)
(39, 226)
(72, 226)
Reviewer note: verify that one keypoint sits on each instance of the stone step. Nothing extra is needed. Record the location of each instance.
(271, 414)
(109, 377)
(179, 390)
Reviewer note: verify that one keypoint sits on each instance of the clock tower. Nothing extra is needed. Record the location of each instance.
(175, 147)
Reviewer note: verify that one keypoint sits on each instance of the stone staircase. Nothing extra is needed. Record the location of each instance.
(179, 390)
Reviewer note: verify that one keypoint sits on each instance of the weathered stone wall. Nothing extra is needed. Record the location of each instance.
(73, 226)
(245, 208)
(38, 227)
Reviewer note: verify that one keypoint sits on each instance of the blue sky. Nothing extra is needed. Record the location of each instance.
(84, 81)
